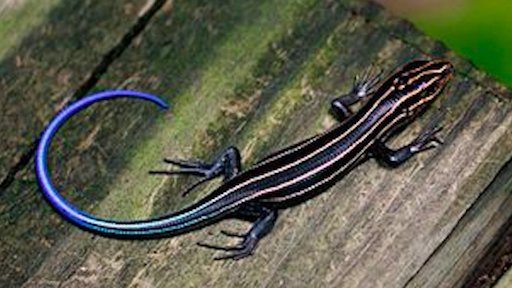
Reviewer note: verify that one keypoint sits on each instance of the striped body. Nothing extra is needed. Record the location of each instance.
(313, 163)
(302, 170)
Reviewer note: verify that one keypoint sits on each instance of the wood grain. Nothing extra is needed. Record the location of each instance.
(45, 70)
(259, 75)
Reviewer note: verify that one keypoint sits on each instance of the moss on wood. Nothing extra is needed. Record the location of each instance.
(259, 74)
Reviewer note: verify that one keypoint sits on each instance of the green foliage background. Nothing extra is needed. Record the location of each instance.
(481, 30)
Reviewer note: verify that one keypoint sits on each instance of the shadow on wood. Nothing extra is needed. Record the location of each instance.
(241, 73)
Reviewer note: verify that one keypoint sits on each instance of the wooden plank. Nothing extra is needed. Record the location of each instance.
(467, 257)
(18, 18)
(48, 50)
(505, 281)
(55, 61)
(242, 72)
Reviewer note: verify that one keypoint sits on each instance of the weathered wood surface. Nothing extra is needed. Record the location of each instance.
(70, 44)
(505, 281)
(242, 73)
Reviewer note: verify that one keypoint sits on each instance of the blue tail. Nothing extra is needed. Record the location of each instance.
(68, 211)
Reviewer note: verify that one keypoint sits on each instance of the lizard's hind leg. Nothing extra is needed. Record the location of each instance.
(265, 220)
(226, 164)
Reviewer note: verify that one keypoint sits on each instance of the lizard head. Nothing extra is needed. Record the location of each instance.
(418, 83)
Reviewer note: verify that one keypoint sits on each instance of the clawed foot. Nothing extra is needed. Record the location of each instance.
(427, 140)
(261, 227)
(226, 164)
(193, 167)
(239, 251)
(364, 84)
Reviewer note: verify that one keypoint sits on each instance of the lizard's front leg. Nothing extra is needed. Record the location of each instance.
(363, 86)
(393, 158)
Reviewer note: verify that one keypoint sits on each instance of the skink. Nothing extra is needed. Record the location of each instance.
(284, 178)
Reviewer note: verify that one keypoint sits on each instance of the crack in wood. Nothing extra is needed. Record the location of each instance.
(497, 260)
(98, 71)
(478, 270)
